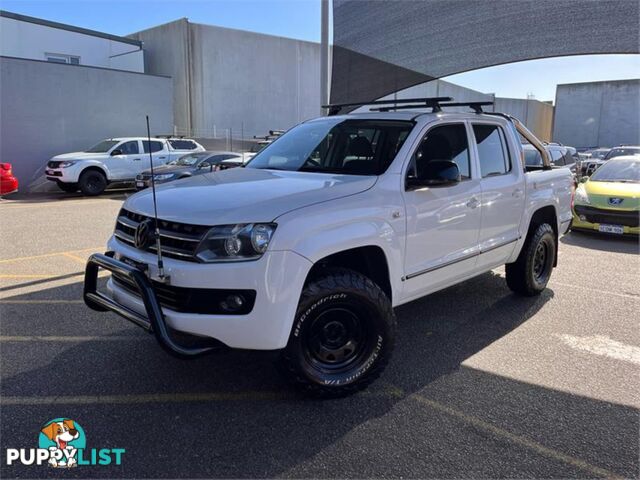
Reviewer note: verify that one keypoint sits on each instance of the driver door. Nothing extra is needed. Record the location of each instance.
(125, 160)
(443, 223)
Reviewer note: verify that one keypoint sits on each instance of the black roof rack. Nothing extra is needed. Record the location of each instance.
(335, 108)
(169, 136)
(437, 107)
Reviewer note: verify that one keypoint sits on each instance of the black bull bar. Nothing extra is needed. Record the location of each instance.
(154, 322)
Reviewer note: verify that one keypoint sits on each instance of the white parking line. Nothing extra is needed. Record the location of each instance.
(604, 346)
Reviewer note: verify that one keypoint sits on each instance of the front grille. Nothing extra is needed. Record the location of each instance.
(179, 240)
(610, 217)
(206, 301)
(53, 164)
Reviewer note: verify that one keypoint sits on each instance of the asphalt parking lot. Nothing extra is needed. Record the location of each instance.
(482, 383)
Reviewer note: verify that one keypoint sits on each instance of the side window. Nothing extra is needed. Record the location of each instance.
(447, 142)
(492, 150)
(568, 158)
(155, 146)
(129, 148)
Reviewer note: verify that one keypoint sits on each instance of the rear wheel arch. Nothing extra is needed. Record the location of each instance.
(546, 214)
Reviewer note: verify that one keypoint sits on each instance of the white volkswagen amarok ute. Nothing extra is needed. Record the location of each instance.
(114, 160)
(309, 248)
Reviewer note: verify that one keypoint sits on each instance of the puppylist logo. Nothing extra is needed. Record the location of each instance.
(62, 444)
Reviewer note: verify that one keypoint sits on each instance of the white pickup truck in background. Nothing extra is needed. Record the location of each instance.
(114, 160)
(310, 246)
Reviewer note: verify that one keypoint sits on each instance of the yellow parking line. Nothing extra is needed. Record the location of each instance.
(77, 339)
(52, 254)
(54, 203)
(26, 276)
(74, 257)
(517, 439)
(144, 398)
(38, 302)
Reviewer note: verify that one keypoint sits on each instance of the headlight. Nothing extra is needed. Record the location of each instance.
(66, 164)
(235, 242)
(582, 196)
(163, 176)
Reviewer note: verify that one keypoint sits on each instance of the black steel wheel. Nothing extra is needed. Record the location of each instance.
(531, 272)
(92, 182)
(342, 336)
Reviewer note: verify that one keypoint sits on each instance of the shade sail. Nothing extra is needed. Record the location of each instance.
(384, 46)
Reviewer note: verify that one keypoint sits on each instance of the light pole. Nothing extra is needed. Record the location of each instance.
(324, 55)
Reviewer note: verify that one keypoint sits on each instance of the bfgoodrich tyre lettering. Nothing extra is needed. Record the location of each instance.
(342, 336)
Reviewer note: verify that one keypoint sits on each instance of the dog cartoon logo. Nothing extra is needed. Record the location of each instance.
(62, 437)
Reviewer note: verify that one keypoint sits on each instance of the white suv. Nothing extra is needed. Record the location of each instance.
(310, 247)
(114, 160)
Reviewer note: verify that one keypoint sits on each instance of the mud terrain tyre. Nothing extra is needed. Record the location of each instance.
(92, 182)
(342, 336)
(530, 273)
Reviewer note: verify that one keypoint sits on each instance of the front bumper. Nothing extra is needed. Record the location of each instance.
(65, 175)
(277, 278)
(578, 224)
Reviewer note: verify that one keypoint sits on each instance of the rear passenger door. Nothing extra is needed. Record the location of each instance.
(502, 198)
(158, 151)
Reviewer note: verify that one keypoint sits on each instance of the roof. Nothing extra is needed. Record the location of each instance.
(70, 28)
(411, 115)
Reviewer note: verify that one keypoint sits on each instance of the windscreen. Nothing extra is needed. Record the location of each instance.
(625, 171)
(619, 152)
(188, 160)
(102, 147)
(353, 147)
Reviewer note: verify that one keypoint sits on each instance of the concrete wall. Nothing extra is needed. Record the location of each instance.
(49, 108)
(231, 79)
(536, 115)
(598, 114)
(29, 40)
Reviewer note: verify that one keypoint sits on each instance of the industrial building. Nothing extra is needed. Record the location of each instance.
(598, 114)
(233, 82)
(33, 38)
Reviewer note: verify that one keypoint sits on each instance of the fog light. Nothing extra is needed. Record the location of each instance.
(232, 303)
(583, 218)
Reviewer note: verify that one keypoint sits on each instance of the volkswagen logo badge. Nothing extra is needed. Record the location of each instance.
(615, 200)
(143, 236)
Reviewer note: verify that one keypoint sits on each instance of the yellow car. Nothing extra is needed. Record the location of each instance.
(609, 201)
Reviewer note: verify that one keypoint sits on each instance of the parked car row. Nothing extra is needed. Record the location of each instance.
(190, 165)
(593, 159)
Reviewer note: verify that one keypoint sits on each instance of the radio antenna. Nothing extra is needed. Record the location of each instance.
(155, 206)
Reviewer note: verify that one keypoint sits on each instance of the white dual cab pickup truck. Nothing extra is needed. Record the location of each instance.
(310, 246)
(114, 160)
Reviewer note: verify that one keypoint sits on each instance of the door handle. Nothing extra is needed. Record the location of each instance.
(161, 158)
(517, 193)
(473, 203)
(137, 159)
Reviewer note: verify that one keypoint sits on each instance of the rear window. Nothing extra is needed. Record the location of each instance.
(492, 150)
(183, 144)
(155, 146)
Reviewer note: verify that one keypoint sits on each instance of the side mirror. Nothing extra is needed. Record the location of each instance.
(204, 165)
(584, 179)
(115, 152)
(436, 173)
